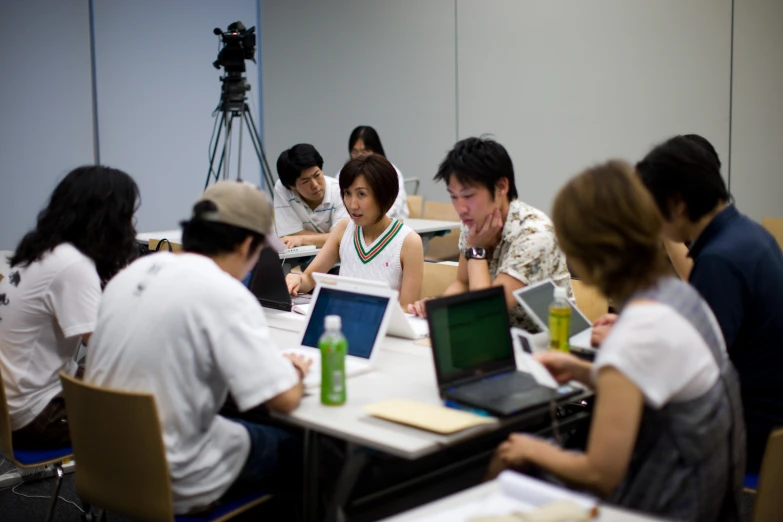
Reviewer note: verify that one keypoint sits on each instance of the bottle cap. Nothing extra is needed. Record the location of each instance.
(333, 322)
(560, 293)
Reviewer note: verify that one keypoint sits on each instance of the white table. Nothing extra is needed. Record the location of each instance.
(426, 228)
(403, 370)
(175, 236)
(606, 513)
(429, 228)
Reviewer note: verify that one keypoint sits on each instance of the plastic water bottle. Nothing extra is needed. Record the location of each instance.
(333, 348)
(559, 321)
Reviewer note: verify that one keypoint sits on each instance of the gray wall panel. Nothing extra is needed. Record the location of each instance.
(156, 93)
(757, 121)
(45, 101)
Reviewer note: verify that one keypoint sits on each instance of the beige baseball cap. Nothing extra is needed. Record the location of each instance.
(240, 204)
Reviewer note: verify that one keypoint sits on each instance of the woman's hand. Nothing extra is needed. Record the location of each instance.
(601, 328)
(293, 281)
(417, 308)
(564, 367)
(513, 452)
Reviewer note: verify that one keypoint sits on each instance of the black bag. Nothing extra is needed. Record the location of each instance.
(145, 250)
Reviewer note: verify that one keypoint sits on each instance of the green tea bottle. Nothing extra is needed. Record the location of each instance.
(333, 348)
(559, 321)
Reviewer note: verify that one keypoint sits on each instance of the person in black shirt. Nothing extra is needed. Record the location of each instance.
(737, 266)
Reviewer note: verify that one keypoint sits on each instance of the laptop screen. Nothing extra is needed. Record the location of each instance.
(470, 335)
(361, 316)
(539, 297)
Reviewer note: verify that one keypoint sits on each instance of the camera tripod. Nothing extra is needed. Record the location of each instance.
(233, 105)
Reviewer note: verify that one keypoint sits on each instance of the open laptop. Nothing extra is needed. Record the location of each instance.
(267, 282)
(401, 324)
(474, 356)
(365, 316)
(537, 297)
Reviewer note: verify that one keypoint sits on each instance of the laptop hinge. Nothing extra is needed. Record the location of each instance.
(474, 378)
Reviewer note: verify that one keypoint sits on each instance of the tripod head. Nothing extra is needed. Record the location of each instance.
(233, 92)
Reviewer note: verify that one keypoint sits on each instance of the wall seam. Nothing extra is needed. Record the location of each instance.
(456, 72)
(94, 86)
(731, 97)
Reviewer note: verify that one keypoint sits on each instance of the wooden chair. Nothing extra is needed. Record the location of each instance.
(165, 245)
(29, 459)
(775, 227)
(118, 441)
(437, 277)
(589, 300)
(444, 248)
(768, 506)
(415, 204)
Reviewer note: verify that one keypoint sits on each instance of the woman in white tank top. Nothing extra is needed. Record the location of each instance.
(369, 245)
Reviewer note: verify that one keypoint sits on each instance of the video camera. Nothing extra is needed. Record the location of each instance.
(239, 44)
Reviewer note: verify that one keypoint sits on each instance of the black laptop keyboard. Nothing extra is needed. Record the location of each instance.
(501, 386)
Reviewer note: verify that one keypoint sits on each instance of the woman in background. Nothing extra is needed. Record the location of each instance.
(364, 140)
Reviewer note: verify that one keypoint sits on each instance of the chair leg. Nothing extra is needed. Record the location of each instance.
(57, 483)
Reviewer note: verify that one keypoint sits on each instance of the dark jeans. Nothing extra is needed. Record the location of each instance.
(48, 430)
(275, 458)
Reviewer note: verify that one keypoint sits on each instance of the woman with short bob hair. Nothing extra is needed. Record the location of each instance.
(370, 245)
(667, 435)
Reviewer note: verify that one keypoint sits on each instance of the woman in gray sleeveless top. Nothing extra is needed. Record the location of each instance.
(667, 435)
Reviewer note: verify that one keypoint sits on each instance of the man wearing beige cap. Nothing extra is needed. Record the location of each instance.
(184, 328)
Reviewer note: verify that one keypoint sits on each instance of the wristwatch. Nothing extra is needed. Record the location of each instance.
(474, 253)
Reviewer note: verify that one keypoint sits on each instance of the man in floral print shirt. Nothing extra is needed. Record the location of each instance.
(503, 241)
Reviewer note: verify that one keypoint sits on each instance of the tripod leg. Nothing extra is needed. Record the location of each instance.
(212, 155)
(256, 139)
(239, 153)
(227, 144)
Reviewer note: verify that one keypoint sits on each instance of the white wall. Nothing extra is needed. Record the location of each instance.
(45, 102)
(330, 66)
(561, 84)
(566, 84)
(757, 119)
(156, 93)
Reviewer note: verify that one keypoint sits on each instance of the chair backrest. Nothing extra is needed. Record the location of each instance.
(444, 248)
(166, 246)
(437, 277)
(6, 446)
(768, 505)
(415, 204)
(589, 300)
(118, 443)
(775, 227)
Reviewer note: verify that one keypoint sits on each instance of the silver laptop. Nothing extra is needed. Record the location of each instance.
(406, 326)
(537, 297)
(365, 317)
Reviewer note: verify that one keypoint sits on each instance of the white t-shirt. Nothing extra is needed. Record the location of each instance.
(399, 209)
(293, 215)
(181, 328)
(45, 308)
(661, 352)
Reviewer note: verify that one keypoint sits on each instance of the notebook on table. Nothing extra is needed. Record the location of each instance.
(365, 316)
(267, 282)
(406, 326)
(474, 357)
(537, 297)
